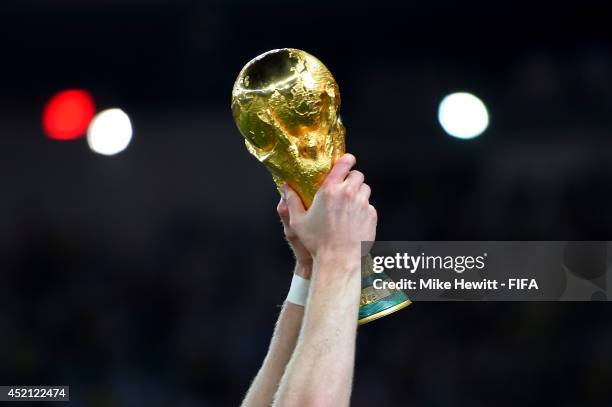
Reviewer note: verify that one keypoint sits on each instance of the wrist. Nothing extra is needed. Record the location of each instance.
(338, 260)
(303, 268)
(333, 266)
(337, 278)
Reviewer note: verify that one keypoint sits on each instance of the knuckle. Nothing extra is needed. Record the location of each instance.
(327, 190)
(373, 212)
(349, 192)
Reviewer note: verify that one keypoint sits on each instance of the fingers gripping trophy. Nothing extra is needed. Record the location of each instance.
(285, 103)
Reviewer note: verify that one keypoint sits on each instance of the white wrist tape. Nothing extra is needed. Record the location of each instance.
(298, 292)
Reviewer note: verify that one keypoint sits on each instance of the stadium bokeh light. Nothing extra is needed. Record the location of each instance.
(463, 115)
(67, 114)
(110, 132)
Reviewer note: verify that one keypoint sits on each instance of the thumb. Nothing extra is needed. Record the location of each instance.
(283, 211)
(294, 202)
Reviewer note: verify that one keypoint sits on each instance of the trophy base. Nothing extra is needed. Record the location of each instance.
(383, 307)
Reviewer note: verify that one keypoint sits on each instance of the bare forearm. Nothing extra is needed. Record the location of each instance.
(321, 370)
(284, 339)
(265, 384)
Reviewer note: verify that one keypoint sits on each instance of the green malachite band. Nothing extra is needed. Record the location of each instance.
(383, 307)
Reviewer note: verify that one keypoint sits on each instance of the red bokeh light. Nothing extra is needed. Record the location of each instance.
(67, 114)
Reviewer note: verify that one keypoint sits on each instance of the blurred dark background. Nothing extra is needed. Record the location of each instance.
(153, 277)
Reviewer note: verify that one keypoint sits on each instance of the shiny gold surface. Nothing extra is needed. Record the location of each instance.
(285, 103)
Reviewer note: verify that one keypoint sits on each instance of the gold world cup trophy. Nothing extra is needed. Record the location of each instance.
(285, 103)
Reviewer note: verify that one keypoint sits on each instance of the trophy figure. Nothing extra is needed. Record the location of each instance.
(285, 103)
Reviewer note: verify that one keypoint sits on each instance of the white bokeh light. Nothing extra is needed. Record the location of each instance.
(110, 132)
(463, 115)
